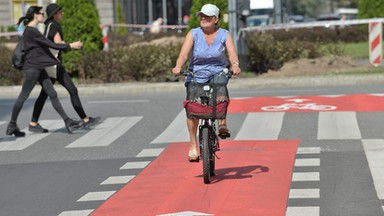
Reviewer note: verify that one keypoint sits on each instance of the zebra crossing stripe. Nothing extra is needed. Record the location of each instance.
(303, 211)
(374, 150)
(177, 131)
(313, 193)
(338, 125)
(261, 126)
(135, 165)
(117, 180)
(24, 142)
(106, 132)
(305, 176)
(96, 196)
(77, 212)
(2, 122)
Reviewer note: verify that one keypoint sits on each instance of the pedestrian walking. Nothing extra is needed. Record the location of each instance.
(54, 32)
(37, 58)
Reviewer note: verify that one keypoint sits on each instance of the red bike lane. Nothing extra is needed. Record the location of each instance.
(252, 178)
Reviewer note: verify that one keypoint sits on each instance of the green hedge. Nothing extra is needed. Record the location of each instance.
(8, 75)
(130, 63)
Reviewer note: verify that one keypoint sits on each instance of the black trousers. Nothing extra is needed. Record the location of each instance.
(31, 77)
(65, 80)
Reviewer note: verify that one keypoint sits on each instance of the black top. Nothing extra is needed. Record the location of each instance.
(54, 27)
(37, 47)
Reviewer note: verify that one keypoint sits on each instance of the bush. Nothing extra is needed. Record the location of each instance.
(8, 75)
(131, 63)
(81, 22)
(271, 49)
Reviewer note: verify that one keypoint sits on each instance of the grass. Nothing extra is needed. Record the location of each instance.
(378, 70)
(356, 50)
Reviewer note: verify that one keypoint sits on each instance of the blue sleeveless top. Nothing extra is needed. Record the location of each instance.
(207, 60)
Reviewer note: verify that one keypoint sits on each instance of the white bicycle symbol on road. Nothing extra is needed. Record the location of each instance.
(298, 104)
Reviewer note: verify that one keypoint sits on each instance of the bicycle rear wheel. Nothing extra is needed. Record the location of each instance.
(206, 154)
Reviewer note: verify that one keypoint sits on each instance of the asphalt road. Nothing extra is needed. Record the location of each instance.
(62, 174)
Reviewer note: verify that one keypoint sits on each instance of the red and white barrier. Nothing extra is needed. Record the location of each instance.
(104, 30)
(375, 43)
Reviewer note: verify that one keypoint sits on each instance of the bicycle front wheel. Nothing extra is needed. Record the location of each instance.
(212, 154)
(206, 154)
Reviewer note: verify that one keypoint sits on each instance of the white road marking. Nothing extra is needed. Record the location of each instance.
(305, 176)
(106, 132)
(150, 152)
(261, 126)
(177, 131)
(96, 196)
(338, 125)
(77, 212)
(135, 165)
(304, 193)
(308, 150)
(30, 138)
(374, 150)
(307, 162)
(303, 211)
(117, 180)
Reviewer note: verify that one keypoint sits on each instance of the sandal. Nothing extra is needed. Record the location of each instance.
(193, 156)
(223, 131)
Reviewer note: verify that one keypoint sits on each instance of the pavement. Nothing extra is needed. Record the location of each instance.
(235, 83)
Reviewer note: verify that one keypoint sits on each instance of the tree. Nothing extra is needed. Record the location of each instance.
(81, 22)
(120, 18)
(305, 7)
(371, 8)
(196, 7)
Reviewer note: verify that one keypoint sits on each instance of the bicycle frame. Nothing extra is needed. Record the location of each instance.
(207, 95)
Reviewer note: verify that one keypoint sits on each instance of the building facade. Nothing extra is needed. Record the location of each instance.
(135, 11)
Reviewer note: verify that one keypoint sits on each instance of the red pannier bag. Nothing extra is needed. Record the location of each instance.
(218, 101)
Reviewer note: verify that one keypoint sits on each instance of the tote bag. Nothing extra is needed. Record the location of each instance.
(52, 70)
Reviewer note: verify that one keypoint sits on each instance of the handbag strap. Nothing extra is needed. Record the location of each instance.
(49, 27)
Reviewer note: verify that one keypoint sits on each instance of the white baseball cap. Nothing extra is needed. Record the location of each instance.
(209, 10)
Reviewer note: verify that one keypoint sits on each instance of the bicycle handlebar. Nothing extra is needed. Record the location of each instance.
(228, 73)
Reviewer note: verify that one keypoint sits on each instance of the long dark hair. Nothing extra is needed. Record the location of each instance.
(29, 15)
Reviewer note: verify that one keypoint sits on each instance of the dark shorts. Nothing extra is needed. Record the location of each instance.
(217, 78)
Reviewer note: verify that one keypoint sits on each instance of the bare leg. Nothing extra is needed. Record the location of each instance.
(192, 128)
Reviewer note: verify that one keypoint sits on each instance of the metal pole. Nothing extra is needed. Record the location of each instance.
(22, 7)
(165, 12)
(180, 18)
(277, 4)
(232, 18)
(150, 11)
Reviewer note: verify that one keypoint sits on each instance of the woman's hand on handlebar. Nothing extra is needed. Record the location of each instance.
(236, 70)
(176, 71)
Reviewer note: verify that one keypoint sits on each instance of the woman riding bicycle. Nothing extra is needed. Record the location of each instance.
(208, 44)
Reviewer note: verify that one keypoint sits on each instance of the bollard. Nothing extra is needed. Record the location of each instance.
(375, 43)
(104, 30)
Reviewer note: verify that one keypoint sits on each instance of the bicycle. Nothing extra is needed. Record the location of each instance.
(207, 102)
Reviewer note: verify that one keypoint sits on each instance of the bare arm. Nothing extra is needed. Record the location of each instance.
(57, 39)
(184, 53)
(232, 54)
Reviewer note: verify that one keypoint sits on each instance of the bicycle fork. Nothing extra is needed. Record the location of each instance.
(213, 138)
